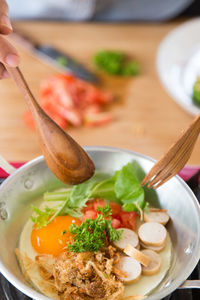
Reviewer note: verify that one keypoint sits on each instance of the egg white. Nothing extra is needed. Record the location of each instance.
(26, 257)
(143, 287)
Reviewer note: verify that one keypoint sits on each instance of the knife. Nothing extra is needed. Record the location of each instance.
(56, 58)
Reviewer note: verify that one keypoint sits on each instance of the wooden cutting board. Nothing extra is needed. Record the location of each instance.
(146, 119)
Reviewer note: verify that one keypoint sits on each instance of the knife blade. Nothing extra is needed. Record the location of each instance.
(54, 57)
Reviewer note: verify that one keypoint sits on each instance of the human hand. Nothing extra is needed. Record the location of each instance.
(8, 54)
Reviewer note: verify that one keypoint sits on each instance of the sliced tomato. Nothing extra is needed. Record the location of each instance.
(105, 97)
(99, 202)
(116, 223)
(52, 112)
(129, 219)
(28, 119)
(67, 77)
(90, 214)
(69, 100)
(61, 122)
(89, 206)
(120, 218)
(45, 88)
(116, 208)
(92, 109)
(87, 92)
(61, 93)
(72, 115)
(97, 119)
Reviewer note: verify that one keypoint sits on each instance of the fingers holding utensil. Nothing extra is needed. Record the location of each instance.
(8, 54)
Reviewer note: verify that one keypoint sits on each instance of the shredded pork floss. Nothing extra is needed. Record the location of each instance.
(83, 276)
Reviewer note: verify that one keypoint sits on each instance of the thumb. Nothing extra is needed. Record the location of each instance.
(8, 54)
(5, 24)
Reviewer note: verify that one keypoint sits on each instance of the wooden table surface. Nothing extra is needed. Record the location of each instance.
(146, 119)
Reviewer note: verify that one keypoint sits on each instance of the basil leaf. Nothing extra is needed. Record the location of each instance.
(127, 186)
(106, 189)
(129, 207)
(80, 194)
(137, 195)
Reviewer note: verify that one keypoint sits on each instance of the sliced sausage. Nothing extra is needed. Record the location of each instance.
(156, 216)
(152, 233)
(138, 255)
(131, 267)
(128, 237)
(154, 248)
(154, 265)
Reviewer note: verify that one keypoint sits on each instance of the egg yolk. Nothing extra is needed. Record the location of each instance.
(53, 238)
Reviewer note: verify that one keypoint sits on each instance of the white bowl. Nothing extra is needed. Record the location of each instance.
(178, 63)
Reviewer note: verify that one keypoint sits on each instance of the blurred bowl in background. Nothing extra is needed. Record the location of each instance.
(178, 63)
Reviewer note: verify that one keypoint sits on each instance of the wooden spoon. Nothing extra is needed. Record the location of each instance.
(64, 157)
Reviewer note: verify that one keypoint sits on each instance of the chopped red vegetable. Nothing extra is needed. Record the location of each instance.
(120, 218)
(116, 208)
(71, 101)
(98, 203)
(90, 214)
(129, 219)
(29, 120)
(116, 223)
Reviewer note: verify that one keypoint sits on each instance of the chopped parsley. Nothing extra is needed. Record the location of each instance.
(63, 232)
(92, 235)
(105, 210)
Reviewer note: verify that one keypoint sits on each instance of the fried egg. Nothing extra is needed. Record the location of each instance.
(53, 238)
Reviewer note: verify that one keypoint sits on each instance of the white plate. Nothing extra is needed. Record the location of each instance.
(178, 63)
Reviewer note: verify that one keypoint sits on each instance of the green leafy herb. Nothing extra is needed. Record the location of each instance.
(77, 199)
(92, 235)
(123, 187)
(105, 189)
(116, 63)
(113, 234)
(131, 68)
(129, 207)
(196, 92)
(80, 194)
(128, 188)
(64, 232)
(42, 217)
(105, 210)
(72, 201)
(57, 196)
